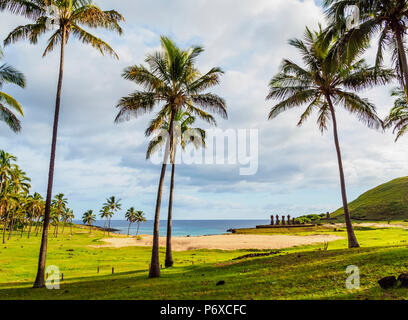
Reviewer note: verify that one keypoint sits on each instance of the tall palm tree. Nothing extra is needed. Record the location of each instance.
(172, 82)
(113, 205)
(388, 18)
(324, 84)
(131, 217)
(70, 18)
(184, 134)
(139, 218)
(9, 75)
(398, 116)
(88, 218)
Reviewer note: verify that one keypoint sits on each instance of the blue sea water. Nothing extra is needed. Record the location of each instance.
(184, 227)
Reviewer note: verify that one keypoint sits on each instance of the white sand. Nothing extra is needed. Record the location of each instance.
(223, 242)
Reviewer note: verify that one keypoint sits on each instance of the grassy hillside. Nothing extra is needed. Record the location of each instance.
(388, 201)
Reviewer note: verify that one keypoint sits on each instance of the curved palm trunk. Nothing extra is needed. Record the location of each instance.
(129, 228)
(403, 60)
(352, 240)
(169, 257)
(154, 271)
(40, 279)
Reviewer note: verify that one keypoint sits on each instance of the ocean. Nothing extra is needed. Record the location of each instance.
(183, 227)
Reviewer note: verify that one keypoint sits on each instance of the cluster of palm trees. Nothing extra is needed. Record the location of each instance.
(20, 210)
(333, 72)
(135, 216)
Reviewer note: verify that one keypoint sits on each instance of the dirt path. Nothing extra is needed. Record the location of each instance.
(223, 242)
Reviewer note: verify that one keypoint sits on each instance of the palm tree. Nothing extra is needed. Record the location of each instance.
(173, 83)
(10, 75)
(60, 205)
(88, 218)
(112, 206)
(323, 85)
(6, 168)
(104, 214)
(70, 18)
(398, 116)
(139, 218)
(183, 135)
(34, 207)
(131, 217)
(70, 216)
(386, 17)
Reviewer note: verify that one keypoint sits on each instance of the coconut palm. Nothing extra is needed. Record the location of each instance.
(60, 204)
(6, 168)
(69, 214)
(398, 116)
(323, 85)
(112, 205)
(9, 105)
(388, 18)
(69, 17)
(104, 214)
(34, 207)
(88, 218)
(183, 135)
(131, 217)
(139, 218)
(173, 83)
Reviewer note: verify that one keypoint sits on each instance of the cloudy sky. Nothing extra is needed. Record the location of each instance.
(297, 172)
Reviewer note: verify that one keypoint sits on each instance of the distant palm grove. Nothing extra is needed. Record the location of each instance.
(330, 75)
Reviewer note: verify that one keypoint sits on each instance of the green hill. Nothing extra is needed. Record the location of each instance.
(388, 201)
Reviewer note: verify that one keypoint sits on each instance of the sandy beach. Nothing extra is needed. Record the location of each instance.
(222, 242)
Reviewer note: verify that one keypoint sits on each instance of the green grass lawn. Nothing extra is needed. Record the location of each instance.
(306, 272)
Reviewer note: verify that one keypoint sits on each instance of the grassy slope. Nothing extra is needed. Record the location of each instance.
(297, 273)
(387, 201)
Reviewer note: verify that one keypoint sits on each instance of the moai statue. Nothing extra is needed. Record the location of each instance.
(288, 219)
(293, 221)
(272, 222)
(328, 215)
(283, 220)
(277, 220)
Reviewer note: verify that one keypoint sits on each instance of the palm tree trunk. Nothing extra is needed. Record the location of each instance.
(352, 240)
(138, 225)
(11, 227)
(403, 60)
(4, 229)
(108, 227)
(129, 228)
(31, 225)
(169, 257)
(71, 228)
(154, 271)
(40, 279)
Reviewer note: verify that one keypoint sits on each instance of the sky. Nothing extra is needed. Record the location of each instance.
(297, 172)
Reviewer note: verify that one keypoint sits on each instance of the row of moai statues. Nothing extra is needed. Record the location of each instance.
(277, 222)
